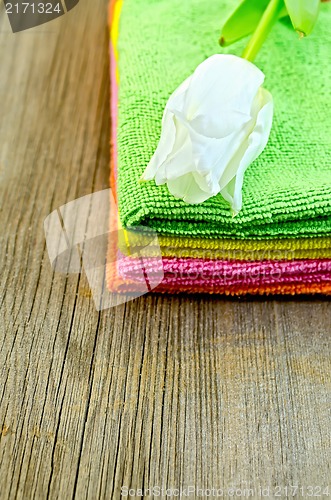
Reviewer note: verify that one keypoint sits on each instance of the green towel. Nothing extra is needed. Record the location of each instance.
(287, 190)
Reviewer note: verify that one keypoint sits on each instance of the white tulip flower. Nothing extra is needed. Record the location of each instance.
(214, 126)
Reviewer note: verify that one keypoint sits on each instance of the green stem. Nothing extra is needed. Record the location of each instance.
(263, 29)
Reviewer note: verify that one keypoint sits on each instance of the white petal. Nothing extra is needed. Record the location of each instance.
(226, 123)
(186, 188)
(214, 126)
(213, 155)
(180, 160)
(257, 141)
(219, 86)
(164, 148)
(168, 132)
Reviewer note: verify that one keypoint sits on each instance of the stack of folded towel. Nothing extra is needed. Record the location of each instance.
(280, 242)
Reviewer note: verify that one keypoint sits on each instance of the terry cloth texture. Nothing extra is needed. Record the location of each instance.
(303, 208)
(231, 249)
(287, 190)
(193, 275)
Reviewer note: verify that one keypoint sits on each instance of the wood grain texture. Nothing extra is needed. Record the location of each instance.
(168, 391)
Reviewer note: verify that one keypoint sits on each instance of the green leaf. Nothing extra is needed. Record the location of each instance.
(303, 14)
(244, 20)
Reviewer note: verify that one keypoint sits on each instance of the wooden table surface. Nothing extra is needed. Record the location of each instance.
(163, 391)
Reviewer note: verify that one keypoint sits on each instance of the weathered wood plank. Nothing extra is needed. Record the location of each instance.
(161, 391)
